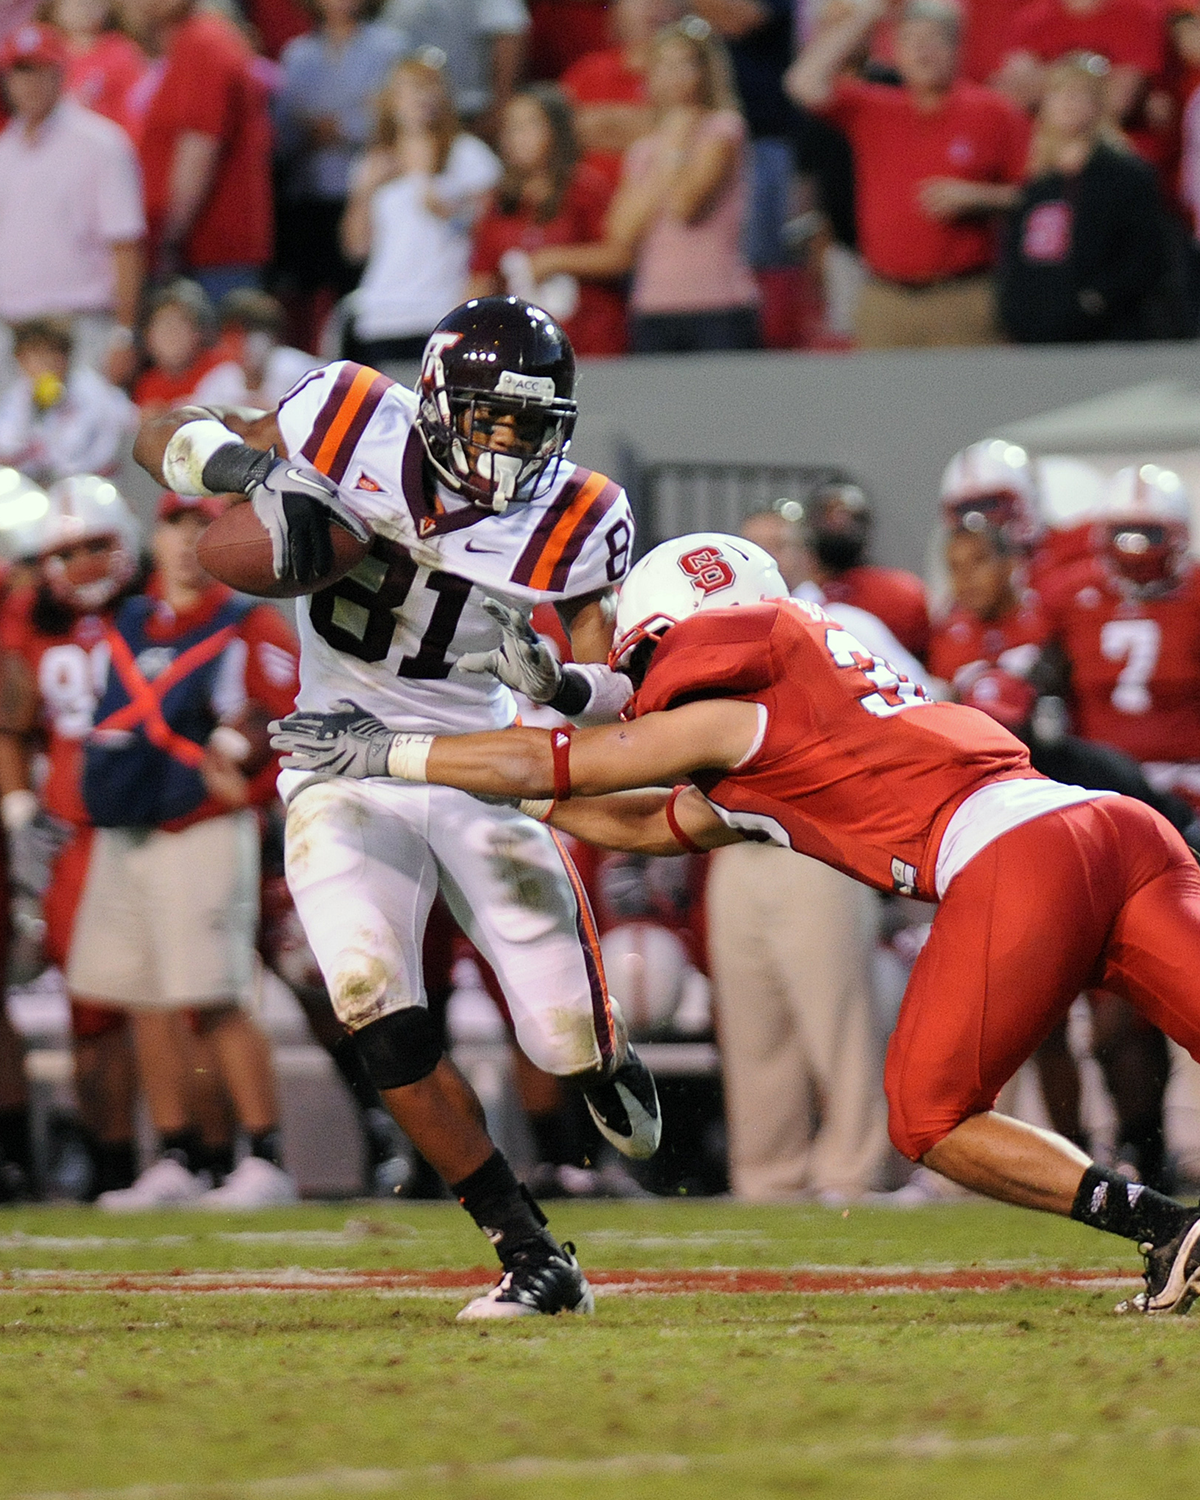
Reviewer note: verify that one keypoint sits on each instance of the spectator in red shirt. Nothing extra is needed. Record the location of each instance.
(837, 531)
(1129, 34)
(178, 336)
(608, 87)
(104, 63)
(545, 199)
(205, 144)
(934, 160)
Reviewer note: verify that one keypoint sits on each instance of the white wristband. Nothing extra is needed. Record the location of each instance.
(189, 449)
(18, 809)
(611, 691)
(407, 757)
(539, 808)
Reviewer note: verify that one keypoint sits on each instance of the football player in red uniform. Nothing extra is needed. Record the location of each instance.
(83, 541)
(782, 727)
(1130, 631)
(837, 529)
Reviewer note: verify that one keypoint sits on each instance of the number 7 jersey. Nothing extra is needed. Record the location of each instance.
(390, 633)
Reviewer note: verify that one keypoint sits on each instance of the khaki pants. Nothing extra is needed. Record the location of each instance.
(791, 943)
(948, 313)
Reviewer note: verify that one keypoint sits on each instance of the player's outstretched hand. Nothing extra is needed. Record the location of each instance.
(347, 741)
(296, 507)
(523, 661)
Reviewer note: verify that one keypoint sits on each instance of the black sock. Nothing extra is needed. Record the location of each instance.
(266, 1143)
(1143, 1146)
(349, 1062)
(501, 1206)
(1108, 1201)
(217, 1161)
(114, 1165)
(16, 1146)
(184, 1147)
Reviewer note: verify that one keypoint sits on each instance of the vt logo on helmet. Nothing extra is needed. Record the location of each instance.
(706, 570)
(497, 405)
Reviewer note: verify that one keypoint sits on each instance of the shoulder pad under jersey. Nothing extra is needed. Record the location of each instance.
(717, 653)
(325, 414)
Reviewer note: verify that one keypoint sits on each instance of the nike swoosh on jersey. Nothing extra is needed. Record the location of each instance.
(491, 551)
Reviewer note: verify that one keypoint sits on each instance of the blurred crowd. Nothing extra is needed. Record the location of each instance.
(778, 173)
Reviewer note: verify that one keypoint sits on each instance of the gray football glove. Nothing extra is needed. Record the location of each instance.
(33, 849)
(347, 741)
(523, 661)
(296, 506)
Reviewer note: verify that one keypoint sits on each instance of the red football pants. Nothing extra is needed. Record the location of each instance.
(1103, 895)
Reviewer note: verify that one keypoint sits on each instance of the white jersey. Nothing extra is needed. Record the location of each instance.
(389, 634)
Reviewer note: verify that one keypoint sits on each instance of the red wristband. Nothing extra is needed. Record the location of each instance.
(560, 748)
(689, 844)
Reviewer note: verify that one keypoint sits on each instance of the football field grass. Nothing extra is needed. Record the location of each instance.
(742, 1352)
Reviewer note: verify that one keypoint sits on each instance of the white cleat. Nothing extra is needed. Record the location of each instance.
(254, 1183)
(165, 1184)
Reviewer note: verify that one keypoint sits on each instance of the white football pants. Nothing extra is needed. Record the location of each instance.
(364, 862)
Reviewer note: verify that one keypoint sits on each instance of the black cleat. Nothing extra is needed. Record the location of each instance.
(544, 1277)
(1172, 1274)
(625, 1108)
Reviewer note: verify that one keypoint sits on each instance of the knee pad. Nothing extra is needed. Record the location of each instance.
(400, 1048)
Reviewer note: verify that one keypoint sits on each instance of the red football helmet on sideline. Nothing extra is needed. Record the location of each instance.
(1145, 526)
(991, 484)
(88, 543)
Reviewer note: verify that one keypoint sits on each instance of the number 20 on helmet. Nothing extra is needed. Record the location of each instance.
(706, 570)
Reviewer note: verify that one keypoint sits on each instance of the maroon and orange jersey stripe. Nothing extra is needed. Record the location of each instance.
(547, 560)
(348, 408)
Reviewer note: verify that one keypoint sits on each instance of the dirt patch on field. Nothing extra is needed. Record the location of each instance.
(811, 1281)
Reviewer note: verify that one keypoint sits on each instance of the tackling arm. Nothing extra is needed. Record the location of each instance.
(637, 822)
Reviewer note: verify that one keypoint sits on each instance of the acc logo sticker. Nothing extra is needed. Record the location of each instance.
(708, 570)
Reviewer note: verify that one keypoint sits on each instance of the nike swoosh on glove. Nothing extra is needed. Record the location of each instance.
(347, 741)
(296, 507)
(523, 661)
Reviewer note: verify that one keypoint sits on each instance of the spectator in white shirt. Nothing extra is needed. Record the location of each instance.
(264, 368)
(413, 200)
(71, 219)
(59, 419)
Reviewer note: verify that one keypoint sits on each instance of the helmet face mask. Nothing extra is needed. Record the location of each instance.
(991, 484)
(88, 550)
(497, 408)
(1144, 530)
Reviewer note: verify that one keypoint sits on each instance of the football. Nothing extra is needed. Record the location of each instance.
(236, 550)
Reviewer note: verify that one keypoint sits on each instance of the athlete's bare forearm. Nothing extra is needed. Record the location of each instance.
(637, 822)
(258, 430)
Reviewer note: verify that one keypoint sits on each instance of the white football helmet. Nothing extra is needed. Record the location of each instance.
(992, 484)
(1071, 491)
(88, 508)
(24, 517)
(706, 570)
(1145, 525)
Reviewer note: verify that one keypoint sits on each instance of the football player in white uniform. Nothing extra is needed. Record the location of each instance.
(467, 498)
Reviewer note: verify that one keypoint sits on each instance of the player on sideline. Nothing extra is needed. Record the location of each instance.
(461, 487)
(787, 729)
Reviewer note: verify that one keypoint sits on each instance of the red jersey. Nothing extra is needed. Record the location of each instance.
(597, 326)
(974, 134)
(1135, 665)
(69, 671)
(1128, 33)
(102, 77)
(207, 85)
(854, 765)
(892, 595)
(962, 641)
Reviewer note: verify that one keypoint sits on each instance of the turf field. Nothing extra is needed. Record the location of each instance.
(944, 1351)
